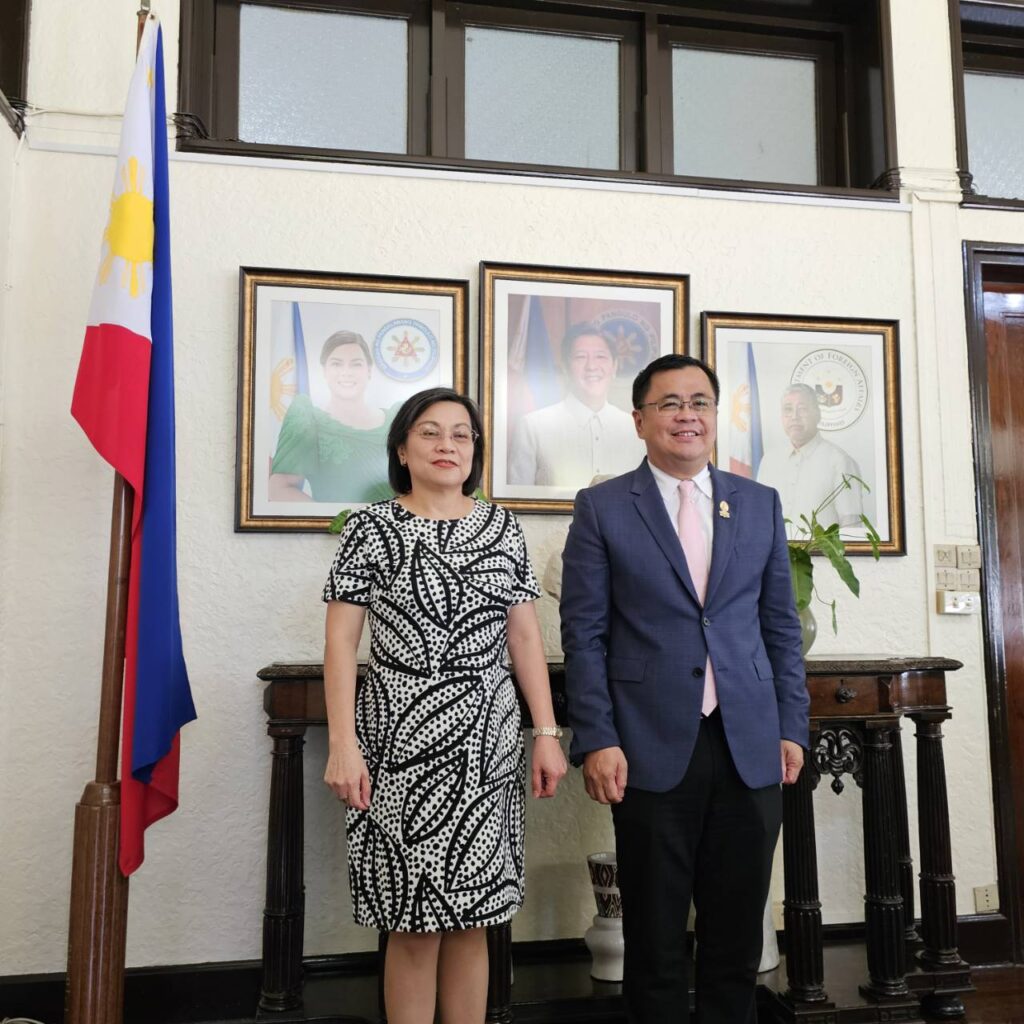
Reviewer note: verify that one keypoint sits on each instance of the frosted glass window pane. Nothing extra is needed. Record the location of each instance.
(744, 115)
(995, 107)
(333, 81)
(541, 98)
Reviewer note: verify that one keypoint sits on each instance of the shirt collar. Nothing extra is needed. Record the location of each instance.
(580, 412)
(807, 449)
(666, 482)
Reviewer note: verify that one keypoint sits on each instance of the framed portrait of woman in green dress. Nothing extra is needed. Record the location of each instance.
(325, 360)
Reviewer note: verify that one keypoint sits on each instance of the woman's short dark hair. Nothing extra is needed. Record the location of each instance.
(412, 409)
(339, 338)
(674, 361)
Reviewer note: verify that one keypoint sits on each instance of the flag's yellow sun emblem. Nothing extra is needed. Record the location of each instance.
(129, 232)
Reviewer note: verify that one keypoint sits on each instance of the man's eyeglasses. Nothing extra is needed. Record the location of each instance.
(670, 406)
(460, 435)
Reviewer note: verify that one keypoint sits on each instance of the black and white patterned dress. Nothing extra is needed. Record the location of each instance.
(441, 846)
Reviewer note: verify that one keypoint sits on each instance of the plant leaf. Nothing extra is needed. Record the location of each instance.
(337, 524)
(872, 535)
(835, 625)
(801, 573)
(832, 547)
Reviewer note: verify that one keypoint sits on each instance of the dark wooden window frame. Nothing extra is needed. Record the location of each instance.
(14, 23)
(208, 83)
(974, 49)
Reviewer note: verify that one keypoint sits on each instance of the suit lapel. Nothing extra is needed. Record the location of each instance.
(651, 507)
(724, 531)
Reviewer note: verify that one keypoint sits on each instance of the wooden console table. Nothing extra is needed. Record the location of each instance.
(856, 708)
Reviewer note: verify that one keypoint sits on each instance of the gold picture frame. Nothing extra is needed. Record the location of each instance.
(535, 406)
(765, 362)
(299, 464)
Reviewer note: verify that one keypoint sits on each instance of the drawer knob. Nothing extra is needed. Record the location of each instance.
(844, 694)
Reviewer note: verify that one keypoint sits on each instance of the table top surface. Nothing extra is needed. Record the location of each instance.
(816, 665)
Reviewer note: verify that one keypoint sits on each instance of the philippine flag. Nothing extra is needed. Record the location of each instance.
(746, 446)
(124, 401)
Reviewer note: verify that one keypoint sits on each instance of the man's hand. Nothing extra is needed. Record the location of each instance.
(792, 761)
(604, 775)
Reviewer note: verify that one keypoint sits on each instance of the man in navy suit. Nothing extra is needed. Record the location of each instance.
(687, 696)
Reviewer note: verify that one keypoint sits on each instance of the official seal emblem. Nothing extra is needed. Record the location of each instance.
(405, 349)
(839, 384)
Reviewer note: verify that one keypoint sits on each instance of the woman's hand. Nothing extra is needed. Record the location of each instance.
(348, 778)
(548, 766)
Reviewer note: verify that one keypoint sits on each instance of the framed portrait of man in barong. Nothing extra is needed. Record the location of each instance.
(806, 403)
(559, 350)
(325, 361)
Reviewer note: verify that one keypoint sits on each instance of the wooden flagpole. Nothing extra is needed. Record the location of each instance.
(94, 992)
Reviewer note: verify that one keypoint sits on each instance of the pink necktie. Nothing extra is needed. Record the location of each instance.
(695, 548)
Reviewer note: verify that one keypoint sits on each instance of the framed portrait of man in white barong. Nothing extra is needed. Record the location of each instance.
(808, 403)
(559, 350)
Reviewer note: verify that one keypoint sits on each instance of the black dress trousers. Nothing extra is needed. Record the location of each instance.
(712, 839)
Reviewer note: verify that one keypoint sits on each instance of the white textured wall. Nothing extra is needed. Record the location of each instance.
(251, 599)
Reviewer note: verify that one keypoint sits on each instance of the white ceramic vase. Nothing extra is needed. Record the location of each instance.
(604, 936)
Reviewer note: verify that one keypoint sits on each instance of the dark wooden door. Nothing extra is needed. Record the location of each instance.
(1004, 345)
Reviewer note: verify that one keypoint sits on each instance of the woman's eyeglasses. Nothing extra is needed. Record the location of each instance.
(460, 435)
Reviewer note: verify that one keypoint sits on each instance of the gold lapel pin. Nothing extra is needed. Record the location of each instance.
(723, 509)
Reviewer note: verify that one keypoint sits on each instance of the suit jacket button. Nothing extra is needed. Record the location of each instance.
(707, 622)
(698, 672)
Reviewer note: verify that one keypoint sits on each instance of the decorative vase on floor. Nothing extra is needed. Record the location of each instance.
(604, 936)
(770, 945)
(808, 629)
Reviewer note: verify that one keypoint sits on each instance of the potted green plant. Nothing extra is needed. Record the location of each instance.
(814, 539)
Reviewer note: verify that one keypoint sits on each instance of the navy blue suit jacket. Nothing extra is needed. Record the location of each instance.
(636, 638)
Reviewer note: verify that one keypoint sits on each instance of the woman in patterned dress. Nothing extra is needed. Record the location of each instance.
(427, 754)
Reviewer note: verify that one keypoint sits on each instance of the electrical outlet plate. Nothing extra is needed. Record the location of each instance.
(958, 602)
(986, 898)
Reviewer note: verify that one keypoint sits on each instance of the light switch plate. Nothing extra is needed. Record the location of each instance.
(945, 556)
(947, 579)
(968, 579)
(968, 556)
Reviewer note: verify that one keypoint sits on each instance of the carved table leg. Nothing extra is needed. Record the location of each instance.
(499, 974)
(905, 864)
(805, 969)
(883, 904)
(284, 909)
(938, 887)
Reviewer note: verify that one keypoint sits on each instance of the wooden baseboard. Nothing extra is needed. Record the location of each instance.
(189, 993)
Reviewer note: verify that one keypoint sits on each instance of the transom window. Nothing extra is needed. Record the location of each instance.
(991, 105)
(792, 93)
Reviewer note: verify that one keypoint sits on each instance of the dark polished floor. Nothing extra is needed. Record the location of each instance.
(564, 992)
(999, 998)
(546, 990)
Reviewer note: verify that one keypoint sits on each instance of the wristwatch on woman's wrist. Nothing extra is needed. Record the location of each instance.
(547, 730)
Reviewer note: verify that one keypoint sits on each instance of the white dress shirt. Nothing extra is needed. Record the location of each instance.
(805, 476)
(568, 444)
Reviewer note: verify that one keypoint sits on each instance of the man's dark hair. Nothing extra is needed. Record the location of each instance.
(642, 383)
(583, 330)
(412, 409)
(339, 338)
